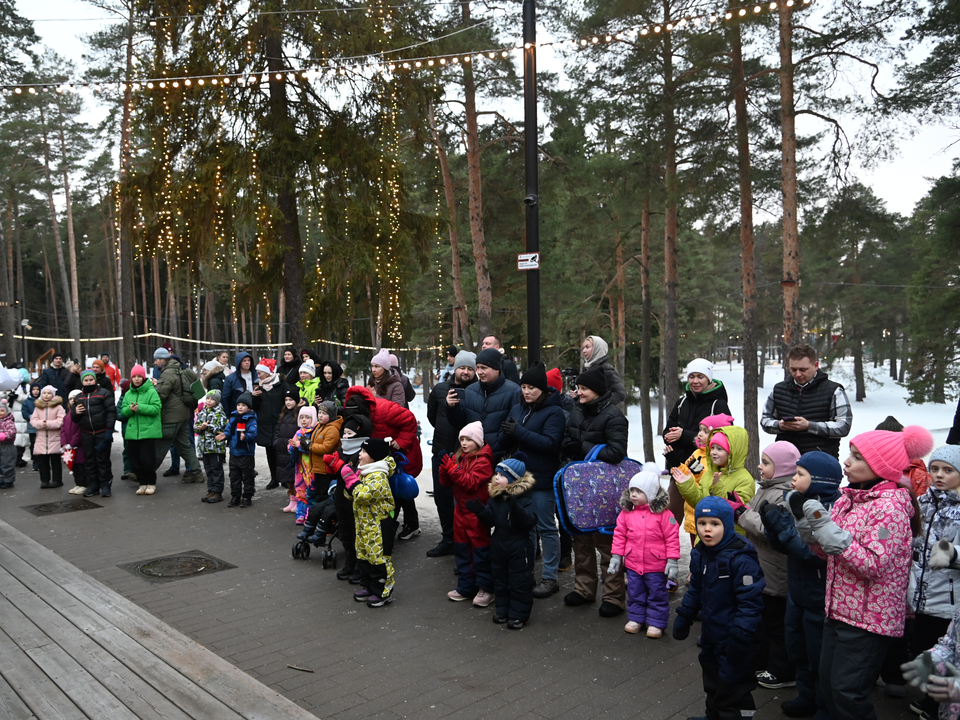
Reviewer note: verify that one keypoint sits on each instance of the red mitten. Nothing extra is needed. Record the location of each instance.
(448, 463)
(333, 463)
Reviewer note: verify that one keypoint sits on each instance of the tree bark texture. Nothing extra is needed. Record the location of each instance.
(127, 215)
(671, 281)
(8, 321)
(792, 319)
(646, 321)
(71, 236)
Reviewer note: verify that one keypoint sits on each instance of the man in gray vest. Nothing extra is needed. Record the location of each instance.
(809, 410)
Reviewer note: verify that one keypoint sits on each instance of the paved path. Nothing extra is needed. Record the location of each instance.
(422, 656)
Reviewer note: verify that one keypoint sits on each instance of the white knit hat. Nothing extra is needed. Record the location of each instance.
(700, 365)
(309, 367)
(647, 480)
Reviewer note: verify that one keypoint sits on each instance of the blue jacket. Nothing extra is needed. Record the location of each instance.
(489, 403)
(539, 433)
(26, 410)
(248, 445)
(234, 385)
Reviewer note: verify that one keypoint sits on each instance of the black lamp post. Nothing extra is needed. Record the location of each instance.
(532, 181)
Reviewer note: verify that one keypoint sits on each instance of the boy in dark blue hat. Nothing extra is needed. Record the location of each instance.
(726, 588)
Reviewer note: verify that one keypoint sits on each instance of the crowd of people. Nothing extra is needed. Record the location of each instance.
(795, 580)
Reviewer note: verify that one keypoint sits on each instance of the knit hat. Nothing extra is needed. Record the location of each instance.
(309, 368)
(465, 358)
(452, 350)
(717, 507)
(161, 353)
(825, 474)
(891, 424)
(89, 372)
(382, 359)
(699, 365)
(474, 431)
(124, 384)
(291, 392)
(210, 365)
(949, 454)
(310, 412)
(490, 357)
(73, 394)
(647, 480)
(214, 395)
(268, 366)
(376, 448)
(593, 379)
(360, 424)
(99, 363)
(719, 438)
(513, 468)
(394, 361)
(51, 388)
(718, 421)
(535, 375)
(889, 453)
(784, 457)
(245, 398)
(555, 379)
(330, 408)
(138, 370)
(57, 355)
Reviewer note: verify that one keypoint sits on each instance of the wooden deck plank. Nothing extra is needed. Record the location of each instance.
(146, 702)
(248, 697)
(193, 700)
(36, 691)
(11, 706)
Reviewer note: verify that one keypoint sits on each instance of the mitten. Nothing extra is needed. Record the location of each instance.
(3, 437)
(104, 445)
(673, 569)
(736, 505)
(945, 689)
(943, 555)
(681, 628)
(795, 500)
(615, 562)
(349, 477)
(333, 463)
(474, 506)
(832, 539)
(917, 672)
(508, 427)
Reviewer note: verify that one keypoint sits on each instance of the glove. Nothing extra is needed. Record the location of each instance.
(615, 562)
(3, 437)
(508, 427)
(737, 505)
(943, 555)
(681, 628)
(475, 506)
(333, 463)
(917, 672)
(104, 445)
(694, 465)
(831, 537)
(795, 500)
(945, 689)
(447, 463)
(673, 569)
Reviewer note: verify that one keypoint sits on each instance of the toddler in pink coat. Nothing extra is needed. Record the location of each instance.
(647, 541)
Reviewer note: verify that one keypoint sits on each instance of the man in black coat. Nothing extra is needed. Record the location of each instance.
(60, 377)
(507, 366)
(446, 439)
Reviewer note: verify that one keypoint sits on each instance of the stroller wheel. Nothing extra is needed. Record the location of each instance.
(301, 550)
(333, 559)
(296, 550)
(305, 550)
(326, 560)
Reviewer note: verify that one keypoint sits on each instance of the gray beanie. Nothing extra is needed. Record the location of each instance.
(215, 394)
(465, 359)
(161, 353)
(330, 408)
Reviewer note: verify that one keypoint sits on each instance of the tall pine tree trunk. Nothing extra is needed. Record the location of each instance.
(8, 318)
(671, 281)
(127, 214)
(621, 313)
(792, 320)
(71, 236)
(646, 321)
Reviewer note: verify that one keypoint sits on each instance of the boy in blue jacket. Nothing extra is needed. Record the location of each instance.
(726, 588)
(242, 432)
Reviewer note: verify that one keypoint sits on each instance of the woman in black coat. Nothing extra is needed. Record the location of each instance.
(333, 385)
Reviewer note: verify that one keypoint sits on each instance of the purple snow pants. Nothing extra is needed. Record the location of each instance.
(647, 598)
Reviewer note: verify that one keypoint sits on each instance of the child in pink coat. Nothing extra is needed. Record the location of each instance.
(647, 541)
(47, 418)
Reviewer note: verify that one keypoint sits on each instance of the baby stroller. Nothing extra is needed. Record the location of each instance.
(320, 534)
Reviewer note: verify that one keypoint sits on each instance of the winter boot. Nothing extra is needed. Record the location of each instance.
(105, 489)
(306, 532)
(292, 505)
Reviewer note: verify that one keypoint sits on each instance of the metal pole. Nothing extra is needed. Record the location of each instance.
(532, 185)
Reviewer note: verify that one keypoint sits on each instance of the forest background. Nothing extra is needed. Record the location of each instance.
(322, 191)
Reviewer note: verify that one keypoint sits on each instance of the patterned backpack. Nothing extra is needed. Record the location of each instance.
(588, 492)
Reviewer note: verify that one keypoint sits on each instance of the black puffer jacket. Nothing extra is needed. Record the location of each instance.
(539, 433)
(286, 428)
(267, 405)
(445, 433)
(489, 403)
(690, 409)
(100, 410)
(600, 422)
(336, 389)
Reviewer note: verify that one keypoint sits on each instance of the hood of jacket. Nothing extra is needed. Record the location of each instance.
(739, 446)
(240, 357)
(517, 487)
(657, 505)
(40, 404)
(364, 393)
(335, 370)
(600, 351)
(717, 507)
(713, 387)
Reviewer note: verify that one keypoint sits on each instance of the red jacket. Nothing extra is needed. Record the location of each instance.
(113, 373)
(469, 479)
(391, 420)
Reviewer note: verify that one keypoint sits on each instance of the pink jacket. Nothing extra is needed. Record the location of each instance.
(867, 582)
(47, 418)
(646, 536)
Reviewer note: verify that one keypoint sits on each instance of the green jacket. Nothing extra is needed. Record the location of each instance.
(145, 423)
(174, 388)
(308, 389)
(733, 478)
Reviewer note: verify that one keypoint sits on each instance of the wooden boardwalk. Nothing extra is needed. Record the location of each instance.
(72, 648)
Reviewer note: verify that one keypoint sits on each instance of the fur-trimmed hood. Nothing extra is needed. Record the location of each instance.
(516, 488)
(42, 405)
(657, 505)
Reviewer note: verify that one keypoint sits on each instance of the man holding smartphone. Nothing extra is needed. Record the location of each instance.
(445, 395)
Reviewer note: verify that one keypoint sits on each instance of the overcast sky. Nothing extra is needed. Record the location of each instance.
(900, 183)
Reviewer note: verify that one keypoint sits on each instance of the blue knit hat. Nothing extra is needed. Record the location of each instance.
(949, 454)
(717, 507)
(513, 468)
(825, 474)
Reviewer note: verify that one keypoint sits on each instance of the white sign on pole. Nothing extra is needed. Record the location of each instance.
(528, 261)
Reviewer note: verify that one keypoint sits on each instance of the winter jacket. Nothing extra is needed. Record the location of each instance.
(8, 429)
(614, 384)
(408, 392)
(935, 592)
(733, 478)
(324, 441)
(103, 380)
(248, 445)
(391, 420)
(646, 536)
(821, 401)
(947, 650)
(469, 479)
(690, 409)
(113, 372)
(26, 410)
(173, 387)
(62, 379)
(285, 430)
(100, 410)
(47, 420)
(235, 385)
(336, 389)
(216, 420)
(489, 403)
(70, 435)
(145, 423)
(390, 388)
(698, 459)
(372, 505)
(953, 437)
(445, 434)
(308, 390)
(539, 433)
(513, 514)
(774, 563)
(596, 423)
(214, 379)
(867, 583)
(267, 405)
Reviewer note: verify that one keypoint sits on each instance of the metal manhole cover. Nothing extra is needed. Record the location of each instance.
(191, 563)
(58, 508)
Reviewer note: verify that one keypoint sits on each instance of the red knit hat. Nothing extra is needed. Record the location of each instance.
(889, 453)
(138, 370)
(267, 365)
(717, 421)
(555, 379)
